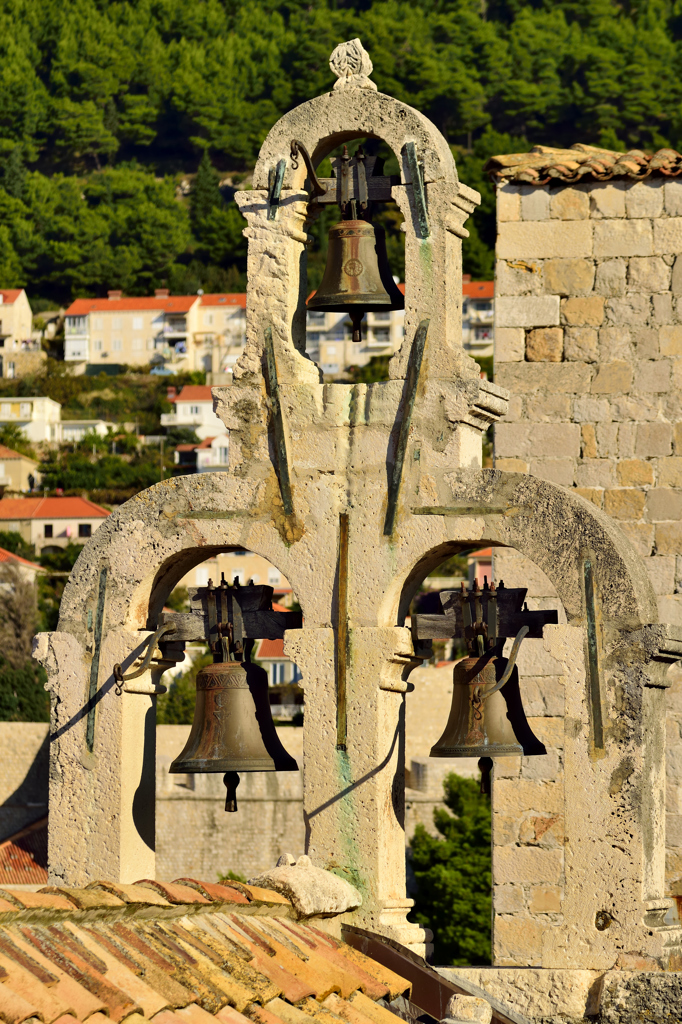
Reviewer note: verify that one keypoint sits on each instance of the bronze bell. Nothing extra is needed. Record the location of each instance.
(232, 730)
(357, 277)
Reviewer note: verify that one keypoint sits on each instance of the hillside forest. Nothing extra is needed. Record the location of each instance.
(108, 109)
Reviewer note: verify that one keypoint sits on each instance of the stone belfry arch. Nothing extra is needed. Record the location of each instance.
(355, 492)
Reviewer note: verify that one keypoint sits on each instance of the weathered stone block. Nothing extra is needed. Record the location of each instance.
(545, 899)
(669, 472)
(624, 503)
(663, 308)
(509, 344)
(518, 940)
(518, 796)
(568, 277)
(645, 340)
(507, 899)
(676, 280)
(630, 310)
(545, 344)
(644, 198)
(677, 438)
(663, 503)
(673, 198)
(591, 410)
(505, 829)
(508, 202)
(612, 378)
(588, 436)
(627, 434)
(512, 440)
(534, 660)
(554, 439)
(630, 408)
(670, 340)
(653, 375)
(607, 200)
(534, 203)
(585, 312)
(581, 344)
(527, 311)
(548, 408)
(519, 277)
(661, 570)
(623, 238)
(607, 439)
(555, 471)
(667, 236)
(670, 610)
(546, 240)
(540, 766)
(635, 473)
(654, 439)
(527, 864)
(648, 274)
(593, 494)
(668, 538)
(566, 378)
(610, 277)
(640, 535)
(615, 343)
(570, 204)
(596, 473)
(543, 696)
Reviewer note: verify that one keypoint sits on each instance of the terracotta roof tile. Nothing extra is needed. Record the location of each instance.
(544, 164)
(10, 295)
(85, 899)
(35, 900)
(172, 892)
(23, 983)
(214, 891)
(50, 508)
(225, 299)
(135, 894)
(170, 304)
(79, 999)
(194, 393)
(14, 1008)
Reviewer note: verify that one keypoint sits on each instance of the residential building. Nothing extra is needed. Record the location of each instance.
(209, 456)
(27, 570)
(221, 336)
(478, 313)
(19, 352)
(193, 408)
(51, 523)
(38, 418)
(73, 431)
(241, 565)
(18, 473)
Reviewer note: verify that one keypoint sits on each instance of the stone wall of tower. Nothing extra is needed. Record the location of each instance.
(588, 339)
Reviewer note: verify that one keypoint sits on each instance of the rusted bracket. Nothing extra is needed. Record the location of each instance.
(418, 190)
(342, 635)
(593, 658)
(298, 149)
(272, 386)
(94, 665)
(151, 641)
(275, 182)
(411, 381)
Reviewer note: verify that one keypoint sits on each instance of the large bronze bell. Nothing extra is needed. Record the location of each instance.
(357, 277)
(232, 730)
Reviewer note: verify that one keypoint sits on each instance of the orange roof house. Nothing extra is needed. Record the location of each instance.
(51, 522)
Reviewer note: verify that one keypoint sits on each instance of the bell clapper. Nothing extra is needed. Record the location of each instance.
(356, 316)
(485, 766)
(231, 780)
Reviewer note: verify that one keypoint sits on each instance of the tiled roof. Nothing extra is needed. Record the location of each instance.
(9, 556)
(10, 295)
(544, 164)
(50, 508)
(170, 304)
(226, 299)
(180, 953)
(271, 650)
(9, 453)
(194, 393)
(478, 289)
(23, 857)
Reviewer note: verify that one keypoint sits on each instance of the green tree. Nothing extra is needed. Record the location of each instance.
(453, 875)
(177, 706)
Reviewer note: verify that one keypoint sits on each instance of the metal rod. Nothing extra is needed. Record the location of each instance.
(342, 634)
(276, 181)
(593, 657)
(151, 641)
(94, 664)
(411, 382)
(418, 189)
(278, 424)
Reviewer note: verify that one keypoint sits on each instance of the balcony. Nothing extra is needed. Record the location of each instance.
(76, 349)
(480, 316)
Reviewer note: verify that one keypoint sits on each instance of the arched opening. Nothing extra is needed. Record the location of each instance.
(191, 823)
(460, 842)
(329, 334)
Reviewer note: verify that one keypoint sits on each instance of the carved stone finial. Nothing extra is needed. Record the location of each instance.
(352, 66)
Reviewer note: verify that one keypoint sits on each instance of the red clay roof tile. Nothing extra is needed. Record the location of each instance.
(135, 894)
(14, 1008)
(213, 891)
(51, 508)
(171, 891)
(544, 164)
(35, 900)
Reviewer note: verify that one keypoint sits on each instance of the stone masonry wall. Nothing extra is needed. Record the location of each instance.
(588, 338)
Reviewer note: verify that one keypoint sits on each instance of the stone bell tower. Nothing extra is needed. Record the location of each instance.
(356, 492)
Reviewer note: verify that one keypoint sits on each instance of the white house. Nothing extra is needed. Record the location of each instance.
(193, 408)
(51, 523)
(38, 418)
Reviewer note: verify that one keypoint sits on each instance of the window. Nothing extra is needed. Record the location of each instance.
(201, 575)
(382, 335)
(208, 319)
(97, 344)
(238, 554)
(314, 336)
(484, 306)
(97, 323)
(5, 409)
(316, 318)
(383, 315)
(138, 323)
(194, 410)
(48, 530)
(84, 530)
(116, 344)
(278, 672)
(274, 578)
(331, 350)
(223, 456)
(76, 324)
(25, 409)
(138, 343)
(10, 370)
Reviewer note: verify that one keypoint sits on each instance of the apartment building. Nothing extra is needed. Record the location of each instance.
(177, 332)
(241, 565)
(51, 523)
(478, 314)
(19, 352)
(209, 456)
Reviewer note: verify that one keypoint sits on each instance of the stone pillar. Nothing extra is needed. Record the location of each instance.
(588, 337)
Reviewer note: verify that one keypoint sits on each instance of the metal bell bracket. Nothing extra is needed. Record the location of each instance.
(151, 642)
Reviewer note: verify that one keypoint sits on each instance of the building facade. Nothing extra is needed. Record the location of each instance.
(209, 456)
(478, 314)
(39, 419)
(20, 353)
(18, 473)
(193, 409)
(51, 523)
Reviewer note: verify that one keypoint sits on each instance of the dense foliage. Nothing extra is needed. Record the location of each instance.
(454, 876)
(107, 108)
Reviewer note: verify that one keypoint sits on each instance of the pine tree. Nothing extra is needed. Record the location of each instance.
(14, 174)
(454, 876)
(205, 196)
